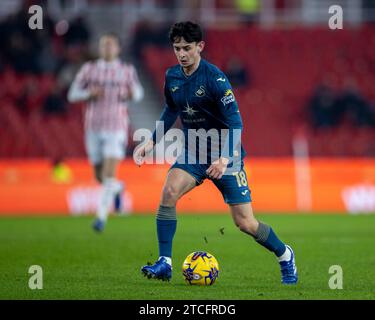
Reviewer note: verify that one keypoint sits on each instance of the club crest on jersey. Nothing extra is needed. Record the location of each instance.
(200, 92)
(228, 97)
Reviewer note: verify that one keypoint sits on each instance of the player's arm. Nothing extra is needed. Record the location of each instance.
(167, 119)
(136, 91)
(168, 116)
(78, 91)
(225, 100)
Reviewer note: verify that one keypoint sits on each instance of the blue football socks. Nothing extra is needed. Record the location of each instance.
(166, 224)
(266, 237)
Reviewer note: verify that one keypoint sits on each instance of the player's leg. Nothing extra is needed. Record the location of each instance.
(118, 199)
(111, 185)
(98, 172)
(264, 235)
(236, 193)
(113, 152)
(93, 150)
(93, 145)
(244, 219)
(178, 183)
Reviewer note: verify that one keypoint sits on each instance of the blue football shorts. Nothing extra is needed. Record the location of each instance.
(233, 186)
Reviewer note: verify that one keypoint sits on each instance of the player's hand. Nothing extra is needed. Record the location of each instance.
(96, 93)
(130, 95)
(141, 151)
(217, 168)
(126, 97)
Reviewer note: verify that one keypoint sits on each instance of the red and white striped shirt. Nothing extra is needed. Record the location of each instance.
(109, 112)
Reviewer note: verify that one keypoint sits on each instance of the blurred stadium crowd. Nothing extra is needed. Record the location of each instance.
(289, 78)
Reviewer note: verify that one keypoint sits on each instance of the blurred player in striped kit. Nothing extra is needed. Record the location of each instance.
(106, 85)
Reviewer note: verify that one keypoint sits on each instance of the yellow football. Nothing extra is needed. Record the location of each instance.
(200, 268)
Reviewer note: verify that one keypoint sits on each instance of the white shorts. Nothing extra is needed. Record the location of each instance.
(102, 145)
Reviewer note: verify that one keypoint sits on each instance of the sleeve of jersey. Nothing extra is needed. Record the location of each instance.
(167, 118)
(136, 87)
(78, 91)
(226, 101)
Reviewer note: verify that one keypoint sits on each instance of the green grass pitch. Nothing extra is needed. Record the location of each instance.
(79, 264)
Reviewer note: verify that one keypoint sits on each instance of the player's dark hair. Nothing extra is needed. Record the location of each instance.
(188, 30)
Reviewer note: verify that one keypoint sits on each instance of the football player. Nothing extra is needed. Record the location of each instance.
(201, 95)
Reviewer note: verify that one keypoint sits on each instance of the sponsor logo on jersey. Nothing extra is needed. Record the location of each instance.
(221, 79)
(173, 89)
(228, 97)
(189, 110)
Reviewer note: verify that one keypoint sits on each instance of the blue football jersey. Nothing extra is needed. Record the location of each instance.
(203, 100)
